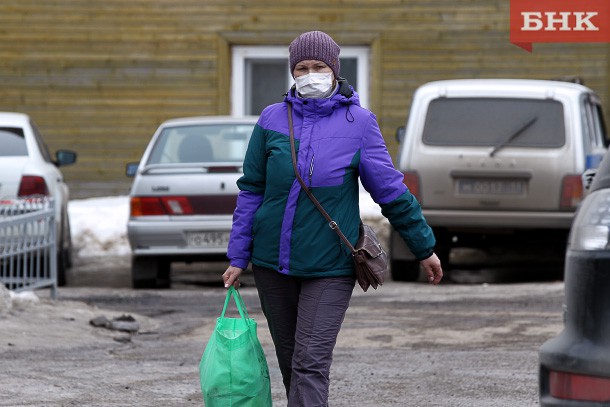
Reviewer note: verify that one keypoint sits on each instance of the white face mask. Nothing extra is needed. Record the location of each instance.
(314, 85)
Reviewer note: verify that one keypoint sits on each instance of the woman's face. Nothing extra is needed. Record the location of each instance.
(310, 66)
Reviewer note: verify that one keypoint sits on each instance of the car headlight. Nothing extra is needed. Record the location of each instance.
(591, 227)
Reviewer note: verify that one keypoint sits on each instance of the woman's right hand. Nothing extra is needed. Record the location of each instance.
(231, 276)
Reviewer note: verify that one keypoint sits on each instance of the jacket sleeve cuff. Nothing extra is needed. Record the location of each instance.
(425, 255)
(241, 263)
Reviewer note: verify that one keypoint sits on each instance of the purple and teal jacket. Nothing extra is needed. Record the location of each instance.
(276, 226)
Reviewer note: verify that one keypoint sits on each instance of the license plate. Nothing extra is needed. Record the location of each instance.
(473, 186)
(207, 239)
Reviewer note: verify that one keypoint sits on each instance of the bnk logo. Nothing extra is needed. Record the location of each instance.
(558, 21)
(562, 21)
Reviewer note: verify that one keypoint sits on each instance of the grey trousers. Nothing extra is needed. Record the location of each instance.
(304, 318)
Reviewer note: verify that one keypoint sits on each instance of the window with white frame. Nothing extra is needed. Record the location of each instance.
(261, 76)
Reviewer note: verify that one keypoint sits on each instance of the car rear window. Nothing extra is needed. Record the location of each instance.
(493, 122)
(12, 142)
(202, 143)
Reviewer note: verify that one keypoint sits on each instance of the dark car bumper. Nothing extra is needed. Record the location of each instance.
(583, 347)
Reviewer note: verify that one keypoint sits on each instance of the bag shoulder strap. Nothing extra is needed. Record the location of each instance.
(333, 225)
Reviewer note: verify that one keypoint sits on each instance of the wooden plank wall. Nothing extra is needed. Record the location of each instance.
(99, 76)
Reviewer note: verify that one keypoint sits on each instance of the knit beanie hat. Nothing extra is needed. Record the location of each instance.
(315, 45)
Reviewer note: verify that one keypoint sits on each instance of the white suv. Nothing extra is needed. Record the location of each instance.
(497, 163)
(27, 169)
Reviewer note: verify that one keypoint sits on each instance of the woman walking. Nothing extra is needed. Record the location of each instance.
(303, 273)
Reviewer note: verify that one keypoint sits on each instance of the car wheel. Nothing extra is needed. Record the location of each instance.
(64, 254)
(68, 244)
(150, 272)
(62, 267)
(404, 270)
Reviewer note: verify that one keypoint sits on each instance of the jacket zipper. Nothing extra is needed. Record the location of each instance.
(311, 169)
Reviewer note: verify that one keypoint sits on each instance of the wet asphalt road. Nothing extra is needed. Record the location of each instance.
(472, 341)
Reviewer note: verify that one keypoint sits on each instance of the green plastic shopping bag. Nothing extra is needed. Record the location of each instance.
(233, 368)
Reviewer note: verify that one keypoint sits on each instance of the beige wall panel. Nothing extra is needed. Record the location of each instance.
(99, 77)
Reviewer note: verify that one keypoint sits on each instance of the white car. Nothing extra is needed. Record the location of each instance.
(184, 194)
(27, 170)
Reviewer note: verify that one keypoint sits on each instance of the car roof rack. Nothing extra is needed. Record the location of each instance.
(570, 78)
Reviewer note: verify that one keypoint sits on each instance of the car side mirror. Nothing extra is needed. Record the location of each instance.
(64, 157)
(400, 133)
(131, 169)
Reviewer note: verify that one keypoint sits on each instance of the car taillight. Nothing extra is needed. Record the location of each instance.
(32, 185)
(571, 191)
(591, 227)
(156, 206)
(571, 386)
(411, 180)
(177, 205)
(144, 206)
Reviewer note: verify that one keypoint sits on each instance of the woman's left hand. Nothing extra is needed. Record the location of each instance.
(432, 268)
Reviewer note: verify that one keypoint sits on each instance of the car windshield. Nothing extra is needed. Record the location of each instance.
(12, 142)
(202, 143)
(495, 122)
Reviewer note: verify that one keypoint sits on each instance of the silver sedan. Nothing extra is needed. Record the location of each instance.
(184, 194)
